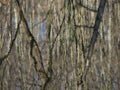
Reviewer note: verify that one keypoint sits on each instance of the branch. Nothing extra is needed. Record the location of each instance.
(32, 39)
(88, 8)
(84, 26)
(46, 16)
(58, 32)
(93, 39)
(50, 56)
(11, 45)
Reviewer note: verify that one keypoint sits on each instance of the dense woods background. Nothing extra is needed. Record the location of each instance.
(44, 45)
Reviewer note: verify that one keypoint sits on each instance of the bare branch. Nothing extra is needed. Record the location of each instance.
(32, 39)
(88, 8)
(93, 39)
(84, 26)
(11, 45)
(58, 33)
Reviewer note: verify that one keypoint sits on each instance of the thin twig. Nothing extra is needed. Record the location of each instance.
(87, 8)
(11, 45)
